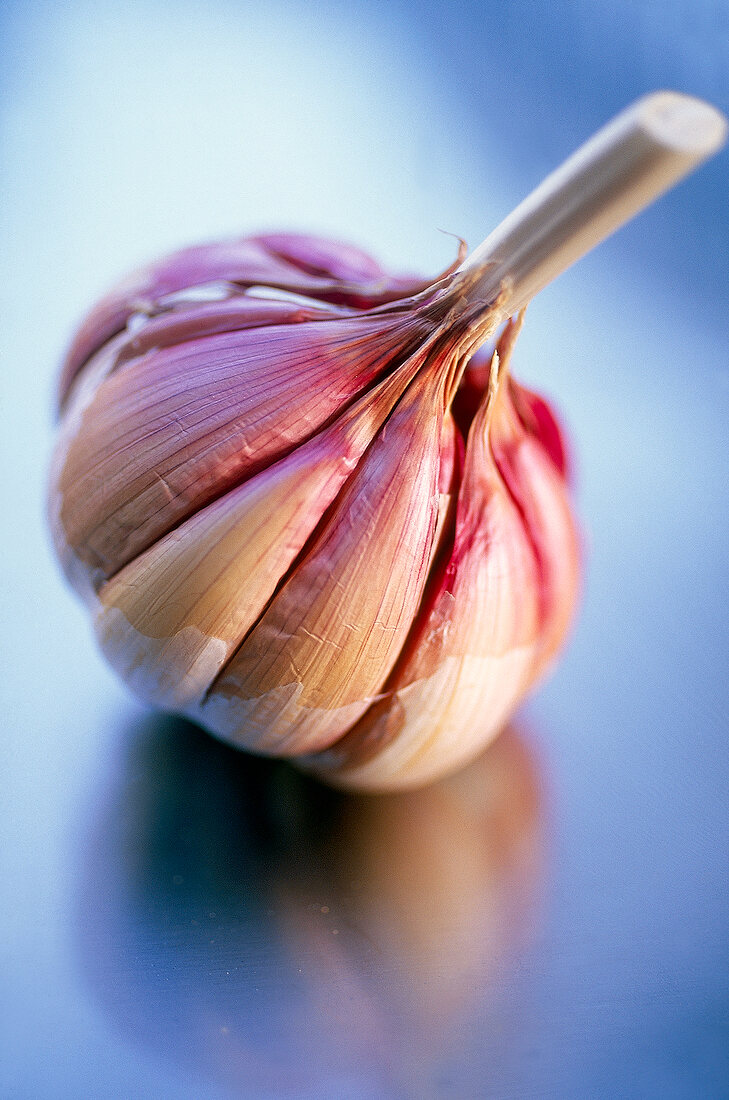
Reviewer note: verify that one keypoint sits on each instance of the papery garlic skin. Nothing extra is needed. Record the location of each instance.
(500, 606)
(165, 433)
(319, 655)
(311, 522)
(170, 619)
(322, 270)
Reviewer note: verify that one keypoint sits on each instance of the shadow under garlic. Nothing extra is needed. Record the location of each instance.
(268, 933)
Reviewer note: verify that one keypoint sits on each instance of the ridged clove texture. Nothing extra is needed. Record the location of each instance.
(306, 510)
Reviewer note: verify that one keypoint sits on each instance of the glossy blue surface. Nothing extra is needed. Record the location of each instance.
(180, 921)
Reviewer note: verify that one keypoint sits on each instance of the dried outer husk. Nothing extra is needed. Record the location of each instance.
(498, 606)
(168, 416)
(318, 268)
(170, 619)
(322, 651)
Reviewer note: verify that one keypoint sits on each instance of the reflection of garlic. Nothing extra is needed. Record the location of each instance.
(299, 935)
(297, 511)
(447, 918)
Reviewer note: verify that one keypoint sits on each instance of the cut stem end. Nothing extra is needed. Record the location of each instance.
(624, 167)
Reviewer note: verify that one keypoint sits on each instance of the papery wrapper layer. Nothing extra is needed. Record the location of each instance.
(293, 262)
(492, 616)
(166, 433)
(170, 620)
(324, 647)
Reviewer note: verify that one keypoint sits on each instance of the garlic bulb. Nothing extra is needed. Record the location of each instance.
(285, 513)
(305, 512)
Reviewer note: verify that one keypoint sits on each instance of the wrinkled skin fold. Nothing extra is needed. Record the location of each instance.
(305, 510)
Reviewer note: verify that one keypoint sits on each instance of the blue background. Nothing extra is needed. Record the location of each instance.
(151, 879)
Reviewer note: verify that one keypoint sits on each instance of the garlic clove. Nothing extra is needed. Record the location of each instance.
(353, 275)
(532, 468)
(471, 653)
(292, 262)
(325, 645)
(170, 619)
(189, 320)
(168, 432)
(540, 422)
(449, 478)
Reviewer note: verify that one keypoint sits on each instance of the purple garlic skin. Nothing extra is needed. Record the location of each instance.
(305, 510)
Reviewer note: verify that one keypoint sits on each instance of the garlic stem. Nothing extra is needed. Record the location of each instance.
(627, 164)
